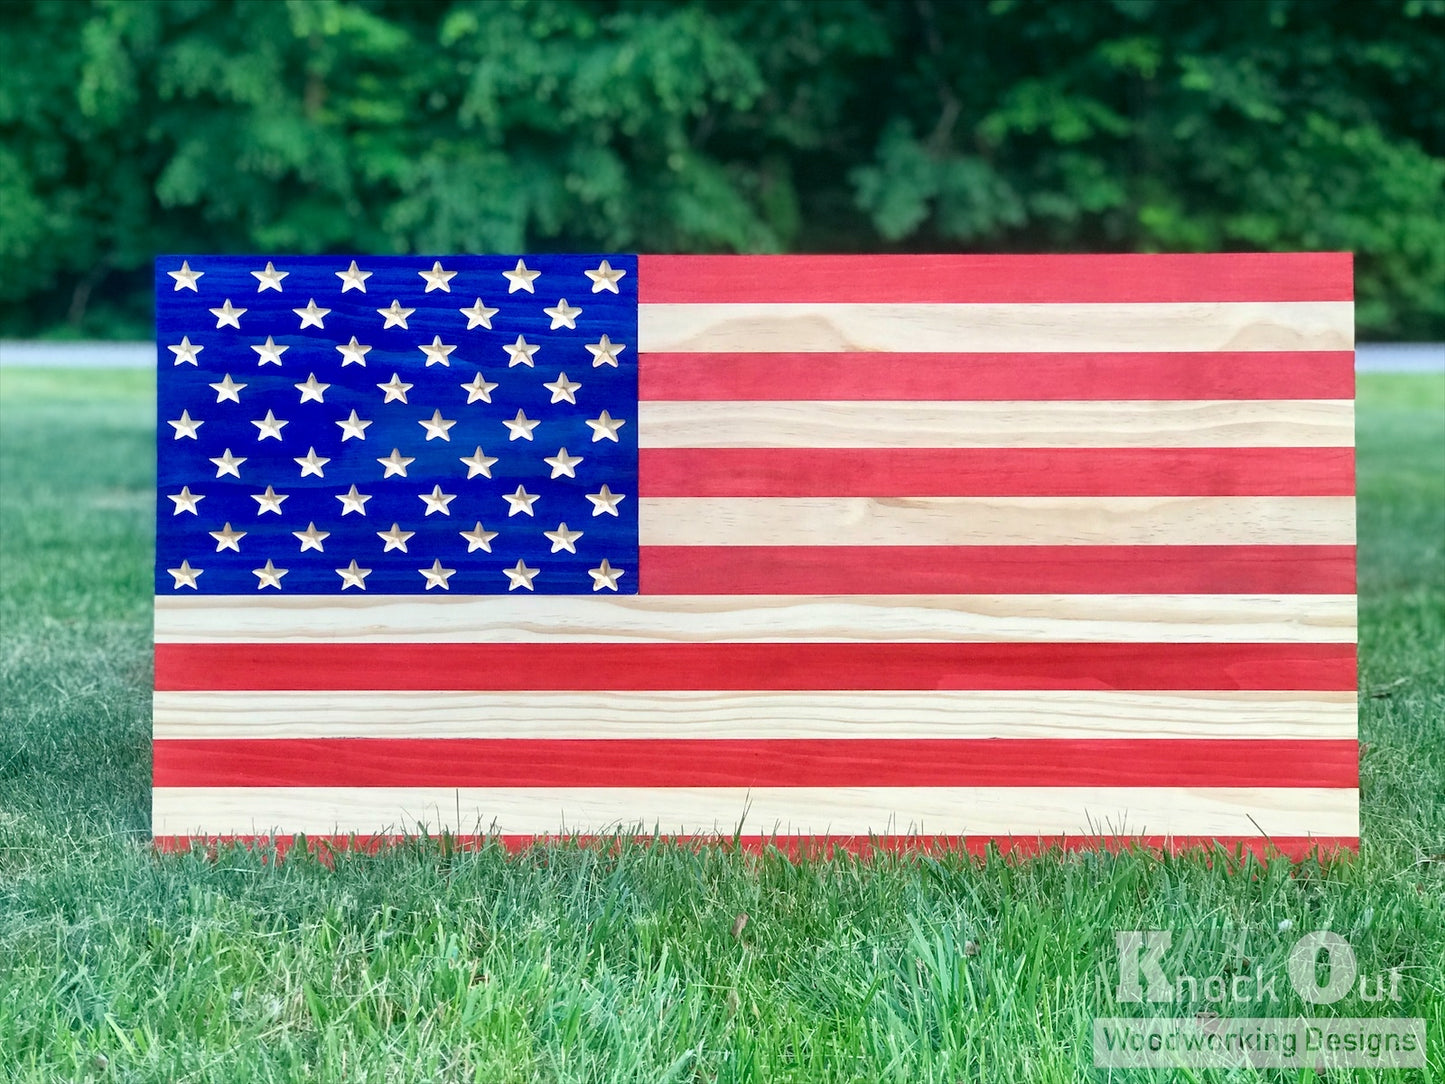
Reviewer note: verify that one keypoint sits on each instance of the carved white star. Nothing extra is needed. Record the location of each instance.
(186, 501)
(270, 576)
(479, 315)
(520, 352)
(186, 351)
(520, 501)
(396, 463)
(436, 576)
(520, 576)
(436, 351)
(437, 501)
(312, 315)
(562, 389)
(478, 538)
(311, 538)
(353, 353)
(227, 539)
(270, 426)
(563, 315)
(268, 352)
(186, 426)
(227, 389)
(605, 427)
(352, 501)
(519, 278)
(312, 389)
(185, 277)
(228, 464)
(395, 538)
(185, 576)
(228, 314)
(563, 464)
(352, 575)
(353, 427)
(604, 278)
(604, 575)
(563, 539)
(479, 463)
(395, 389)
(437, 279)
(604, 352)
(437, 426)
(395, 316)
(270, 501)
(605, 501)
(353, 278)
(269, 279)
(479, 389)
(521, 426)
(311, 463)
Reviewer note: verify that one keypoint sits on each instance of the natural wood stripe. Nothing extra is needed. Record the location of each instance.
(715, 328)
(988, 521)
(768, 618)
(820, 810)
(1150, 423)
(714, 715)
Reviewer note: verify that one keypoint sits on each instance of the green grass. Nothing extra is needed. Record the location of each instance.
(571, 964)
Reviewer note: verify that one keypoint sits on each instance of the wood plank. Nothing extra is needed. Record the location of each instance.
(996, 472)
(949, 328)
(753, 763)
(1242, 423)
(950, 277)
(1226, 811)
(754, 667)
(1217, 374)
(1043, 714)
(829, 570)
(997, 521)
(757, 618)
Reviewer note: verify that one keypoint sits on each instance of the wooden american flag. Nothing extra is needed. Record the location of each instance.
(913, 549)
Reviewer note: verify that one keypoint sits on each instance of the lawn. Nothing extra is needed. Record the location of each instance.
(645, 963)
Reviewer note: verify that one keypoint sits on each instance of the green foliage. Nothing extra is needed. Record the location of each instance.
(129, 128)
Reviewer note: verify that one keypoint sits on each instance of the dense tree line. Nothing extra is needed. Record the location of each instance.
(132, 127)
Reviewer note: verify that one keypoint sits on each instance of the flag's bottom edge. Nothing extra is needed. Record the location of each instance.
(1294, 848)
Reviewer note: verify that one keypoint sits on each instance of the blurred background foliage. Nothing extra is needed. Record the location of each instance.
(133, 127)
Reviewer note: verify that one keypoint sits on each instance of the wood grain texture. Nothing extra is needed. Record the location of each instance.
(1245, 423)
(954, 277)
(1086, 375)
(1019, 570)
(997, 521)
(754, 763)
(756, 618)
(996, 472)
(1043, 714)
(755, 667)
(948, 328)
(1225, 811)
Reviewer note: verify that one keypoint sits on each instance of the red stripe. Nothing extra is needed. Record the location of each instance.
(1002, 570)
(326, 847)
(1251, 276)
(754, 666)
(996, 472)
(858, 762)
(1297, 374)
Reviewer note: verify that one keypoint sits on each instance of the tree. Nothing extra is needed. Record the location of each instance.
(131, 128)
